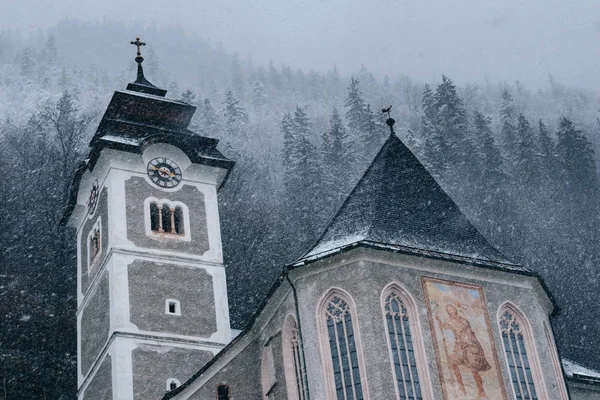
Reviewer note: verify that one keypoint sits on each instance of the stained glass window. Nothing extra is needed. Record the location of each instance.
(344, 357)
(401, 348)
(519, 365)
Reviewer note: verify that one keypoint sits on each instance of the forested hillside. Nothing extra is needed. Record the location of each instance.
(520, 162)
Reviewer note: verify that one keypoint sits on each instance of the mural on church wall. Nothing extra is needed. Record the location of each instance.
(464, 347)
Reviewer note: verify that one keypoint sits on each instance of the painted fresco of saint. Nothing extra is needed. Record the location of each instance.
(467, 350)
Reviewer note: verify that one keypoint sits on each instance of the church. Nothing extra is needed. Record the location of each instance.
(400, 298)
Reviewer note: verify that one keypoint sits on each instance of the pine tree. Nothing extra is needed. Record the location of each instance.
(287, 130)
(233, 111)
(449, 140)
(27, 63)
(361, 119)
(492, 174)
(508, 130)
(548, 156)
(259, 94)
(302, 181)
(208, 121)
(578, 161)
(527, 154)
(189, 97)
(336, 158)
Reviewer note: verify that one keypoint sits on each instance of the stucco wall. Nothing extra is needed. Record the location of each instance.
(100, 387)
(137, 189)
(95, 324)
(154, 365)
(364, 281)
(102, 212)
(242, 374)
(151, 284)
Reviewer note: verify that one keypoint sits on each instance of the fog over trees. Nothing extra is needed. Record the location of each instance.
(522, 163)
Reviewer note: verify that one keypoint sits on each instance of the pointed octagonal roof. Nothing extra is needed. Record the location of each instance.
(398, 203)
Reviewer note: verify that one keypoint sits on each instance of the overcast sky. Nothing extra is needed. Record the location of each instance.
(468, 40)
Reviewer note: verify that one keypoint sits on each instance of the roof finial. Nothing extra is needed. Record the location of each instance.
(138, 43)
(390, 121)
(141, 84)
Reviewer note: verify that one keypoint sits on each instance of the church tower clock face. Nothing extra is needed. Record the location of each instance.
(164, 172)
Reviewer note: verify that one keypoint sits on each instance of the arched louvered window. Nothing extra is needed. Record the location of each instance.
(520, 356)
(345, 374)
(401, 346)
(293, 357)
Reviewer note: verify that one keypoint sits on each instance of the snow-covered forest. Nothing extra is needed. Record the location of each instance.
(521, 162)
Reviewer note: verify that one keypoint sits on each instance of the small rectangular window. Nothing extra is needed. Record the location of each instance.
(172, 307)
(223, 392)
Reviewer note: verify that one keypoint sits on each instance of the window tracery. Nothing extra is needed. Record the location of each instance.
(518, 355)
(295, 369)
(401, 347)
(342, 345)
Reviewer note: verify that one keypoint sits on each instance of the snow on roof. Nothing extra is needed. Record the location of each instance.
(398, 202)
(574, 370)
(152, 96)
(122, 139)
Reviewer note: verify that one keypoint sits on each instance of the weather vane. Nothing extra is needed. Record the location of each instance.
(139, 44)
(390, 121)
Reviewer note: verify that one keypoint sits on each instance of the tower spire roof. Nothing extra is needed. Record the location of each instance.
(141, 84)
(397, 203)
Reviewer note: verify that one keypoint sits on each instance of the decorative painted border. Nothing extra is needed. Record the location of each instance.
(424, 280)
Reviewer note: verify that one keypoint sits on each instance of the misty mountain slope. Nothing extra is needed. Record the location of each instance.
(301, 141)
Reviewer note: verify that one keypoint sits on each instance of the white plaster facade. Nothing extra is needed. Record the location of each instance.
(112, 169)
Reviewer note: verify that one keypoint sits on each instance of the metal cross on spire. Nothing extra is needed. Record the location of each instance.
(138, 43)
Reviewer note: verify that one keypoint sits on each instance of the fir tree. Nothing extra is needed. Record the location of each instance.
(233, 111)
(547, 148)
(527, 154)
(259, 94)
(336, 158)
(208, 120)
(578, 160)
(491, 173)
(302, 179)
(361, 120)
(450, 143)
(508, 129)
(189, 97)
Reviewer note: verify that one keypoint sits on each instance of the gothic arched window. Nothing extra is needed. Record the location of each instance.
(344, 369)
(520, 354)
(405, 344)
(293, 358)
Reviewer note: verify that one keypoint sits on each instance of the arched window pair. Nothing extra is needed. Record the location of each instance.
(341, 342)
(166, 218)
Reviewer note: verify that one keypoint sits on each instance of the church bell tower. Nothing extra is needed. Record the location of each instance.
(152, 296)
